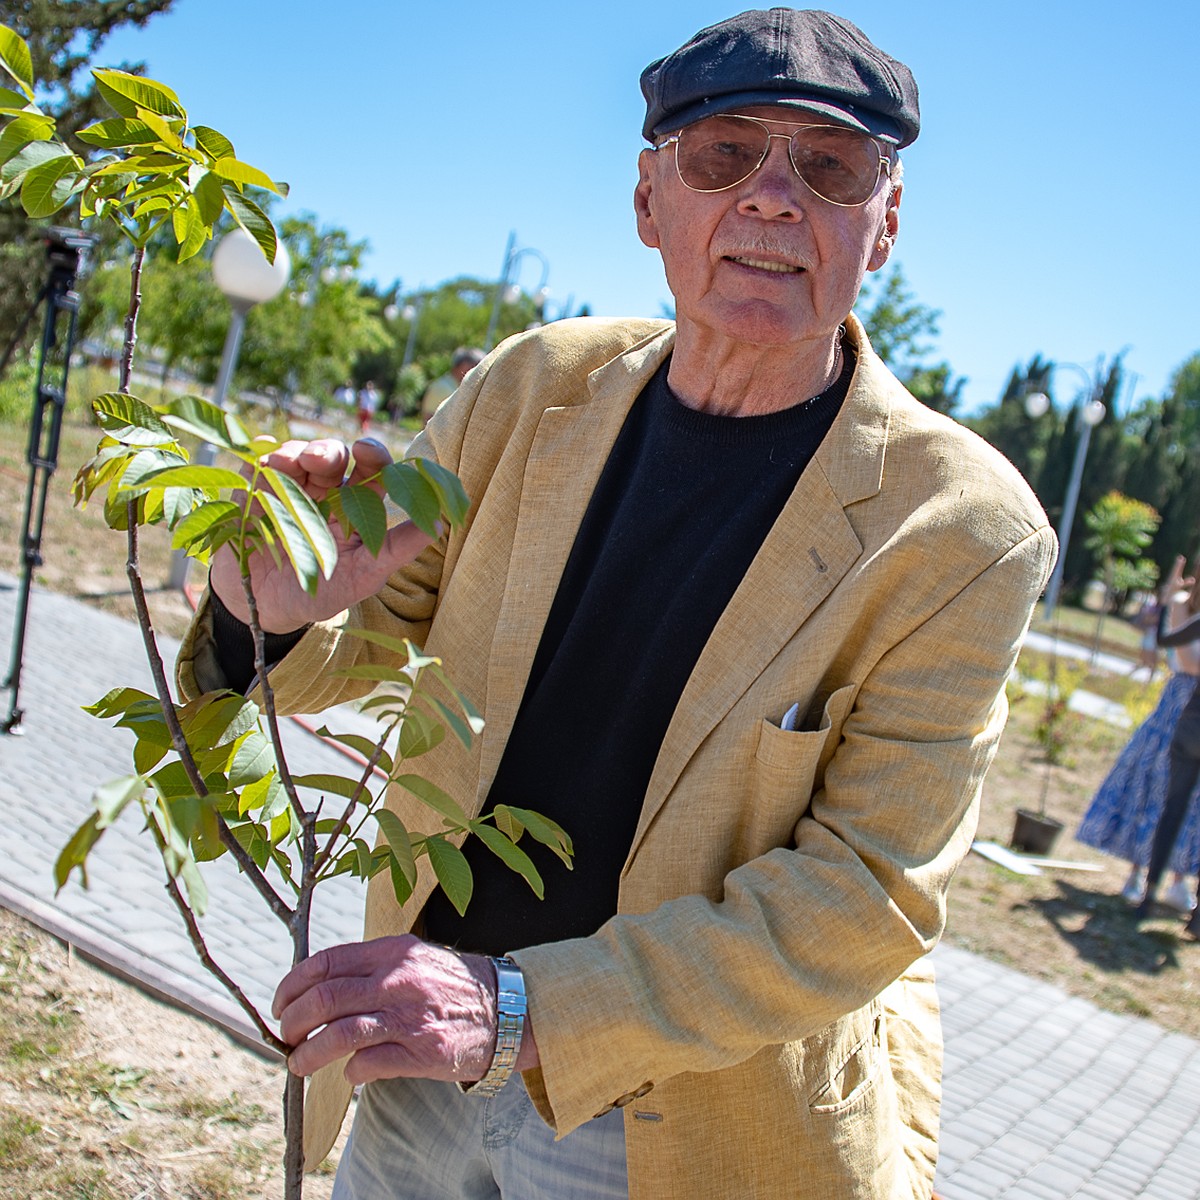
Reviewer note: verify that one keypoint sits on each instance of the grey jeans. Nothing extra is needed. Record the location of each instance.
(418, 1139)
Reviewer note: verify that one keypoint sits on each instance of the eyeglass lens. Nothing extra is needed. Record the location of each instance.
(840, 165)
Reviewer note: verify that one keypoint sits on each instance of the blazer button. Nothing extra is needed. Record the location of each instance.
(604, 1111)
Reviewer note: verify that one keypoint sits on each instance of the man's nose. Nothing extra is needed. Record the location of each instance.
(774, 191)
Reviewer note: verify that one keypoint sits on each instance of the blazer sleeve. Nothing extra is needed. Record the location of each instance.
(813, 931)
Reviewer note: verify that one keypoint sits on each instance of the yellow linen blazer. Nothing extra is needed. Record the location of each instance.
(759, 1006)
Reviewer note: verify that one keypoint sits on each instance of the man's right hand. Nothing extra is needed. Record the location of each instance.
(283, 604)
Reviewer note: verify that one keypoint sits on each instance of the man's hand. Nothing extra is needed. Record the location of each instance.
(283, 605)
(399, 1006)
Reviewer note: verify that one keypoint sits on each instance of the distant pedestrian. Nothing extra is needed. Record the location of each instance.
(1181, 627)
(442, 388)
(368, 402)
(1146, 620)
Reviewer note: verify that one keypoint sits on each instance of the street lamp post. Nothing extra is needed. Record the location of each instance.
(1091, 414)
(242, 272)
(505, 289)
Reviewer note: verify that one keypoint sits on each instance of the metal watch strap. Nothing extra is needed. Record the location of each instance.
(510, 1025)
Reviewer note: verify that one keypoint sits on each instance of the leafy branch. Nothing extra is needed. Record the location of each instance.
(209, 776)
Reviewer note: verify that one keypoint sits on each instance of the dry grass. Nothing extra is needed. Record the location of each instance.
(106, 1094)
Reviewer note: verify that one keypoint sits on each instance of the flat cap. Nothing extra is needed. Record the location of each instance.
(798, 58)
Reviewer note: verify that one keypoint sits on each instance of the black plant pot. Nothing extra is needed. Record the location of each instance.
(1034, 834)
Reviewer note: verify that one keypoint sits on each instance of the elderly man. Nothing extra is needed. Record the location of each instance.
(739, 612)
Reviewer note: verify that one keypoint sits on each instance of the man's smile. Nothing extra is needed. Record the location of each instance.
(762, 264)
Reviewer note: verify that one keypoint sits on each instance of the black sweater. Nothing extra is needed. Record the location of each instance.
(682, 507)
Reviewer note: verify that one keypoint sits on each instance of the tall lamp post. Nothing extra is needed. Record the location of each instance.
(240, 269)
(506, 289)
(1091, 414)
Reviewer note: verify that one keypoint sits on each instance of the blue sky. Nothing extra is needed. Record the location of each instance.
(1044, 207)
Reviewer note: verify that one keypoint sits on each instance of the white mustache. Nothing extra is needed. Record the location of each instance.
(765, 248)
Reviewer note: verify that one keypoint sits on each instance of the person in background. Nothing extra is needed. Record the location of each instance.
(368, 402)
(739, 611)
(1146, 620)
(444, 386)
(1125, 811)
(1180, 627)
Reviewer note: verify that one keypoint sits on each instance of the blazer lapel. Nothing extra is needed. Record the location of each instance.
(568, 452)
(808, 551)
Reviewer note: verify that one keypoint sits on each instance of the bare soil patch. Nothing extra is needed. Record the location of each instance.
(1067, 927)
(107, 1094)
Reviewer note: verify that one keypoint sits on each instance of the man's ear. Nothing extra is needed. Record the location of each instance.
(886, 241)
(643, 205)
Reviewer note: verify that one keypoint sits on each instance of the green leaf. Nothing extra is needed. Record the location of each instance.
(275, 514)
(461, 729)
(74, 853)
(216, 719)
(255, 842)
(20, 131)
(244, 174)
(451, 495)
(14, 54)
(127, 93)
(255, 759)
(193, 475)
(546, 831)
(189, 228)
(33, 155)
(147, 755)
(434, 797)
(214, 144)
(474, 718)
(452, 870)
(252, 219)
(201, 522)
(118, 132)
(414, 494)
(507, 823)
(110, 799)
(191, 414)
(197, 890)
(210, 198)
(402, 889)
(117, 701)
(48, 186)
(13, 103)
(364, 510)
(397, 836)
(130, 420)
(419, 733)
(378, 672)
(307, 516)
(147, 462)
(360, 745)
(512, 856)
(258, 794)
(337, 785)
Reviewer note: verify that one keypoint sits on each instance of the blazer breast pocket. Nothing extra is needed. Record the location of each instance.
(787, 766)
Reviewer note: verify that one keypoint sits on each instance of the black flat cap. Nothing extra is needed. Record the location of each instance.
(798, 58)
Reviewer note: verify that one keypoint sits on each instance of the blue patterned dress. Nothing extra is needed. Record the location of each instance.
(1122, 815)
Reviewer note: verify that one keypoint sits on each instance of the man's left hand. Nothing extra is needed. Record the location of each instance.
(398, 1006)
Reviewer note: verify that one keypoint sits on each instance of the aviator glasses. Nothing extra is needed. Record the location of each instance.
(840, 165)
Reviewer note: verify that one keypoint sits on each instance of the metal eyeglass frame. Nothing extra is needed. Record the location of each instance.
(885, 163)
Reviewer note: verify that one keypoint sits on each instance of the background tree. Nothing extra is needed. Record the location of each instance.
(1119, 529)
(63, 37)
(898, 325)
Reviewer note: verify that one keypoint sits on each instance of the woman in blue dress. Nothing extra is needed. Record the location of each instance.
(1123, 814)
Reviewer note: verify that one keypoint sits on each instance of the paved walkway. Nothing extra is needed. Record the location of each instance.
(1046, 1096)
